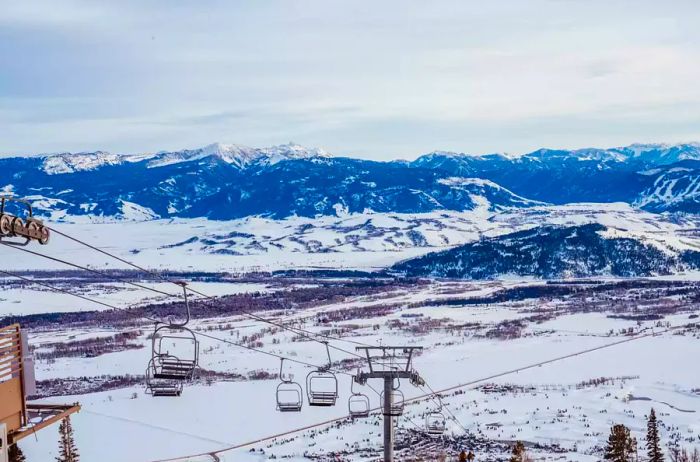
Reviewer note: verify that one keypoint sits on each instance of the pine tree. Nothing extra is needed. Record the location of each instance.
(518, 452)
(15, 454)
(68, 450)
(653, 440)
(621, 446)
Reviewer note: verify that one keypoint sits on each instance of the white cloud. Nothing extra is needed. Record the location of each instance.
(377, 79)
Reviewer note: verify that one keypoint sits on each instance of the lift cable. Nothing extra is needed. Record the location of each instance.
(165, 279)
(471, 383)
(88, 269)
(201, 334)
(305, 334)
(282, 325)
(301, 332)
(444, 405)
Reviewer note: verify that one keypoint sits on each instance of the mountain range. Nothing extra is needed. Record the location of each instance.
(222, 181)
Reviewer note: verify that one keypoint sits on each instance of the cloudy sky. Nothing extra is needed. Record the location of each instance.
(374, 79)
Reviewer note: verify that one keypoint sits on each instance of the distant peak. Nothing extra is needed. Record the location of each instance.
(239, 155)
(56, 164)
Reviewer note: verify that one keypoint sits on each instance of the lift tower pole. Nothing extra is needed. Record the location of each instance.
(388, 419)
(389, 364)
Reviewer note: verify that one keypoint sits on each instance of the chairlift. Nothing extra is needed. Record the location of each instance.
(435, 423)
(397, 401)
(175, 353)
(160, 386)
(29, 228)
(358, 403)
(290, 396)
(174, 356)
(322, 385)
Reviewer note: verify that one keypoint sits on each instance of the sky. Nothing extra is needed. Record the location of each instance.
(372, 79)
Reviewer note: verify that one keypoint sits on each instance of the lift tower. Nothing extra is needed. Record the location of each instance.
(390, 363)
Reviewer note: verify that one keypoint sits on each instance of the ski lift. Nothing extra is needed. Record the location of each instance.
(358, 403)
(160, 386)
(397, 401)
(30, 228)
(435, 423)
(174, 356)
(322, 385)
(290, 396)
(175, 353)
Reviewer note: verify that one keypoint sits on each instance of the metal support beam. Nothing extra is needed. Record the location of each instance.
(388, 420)
(404, 354)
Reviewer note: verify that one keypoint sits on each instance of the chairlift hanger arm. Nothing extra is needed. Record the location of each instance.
(187, 307)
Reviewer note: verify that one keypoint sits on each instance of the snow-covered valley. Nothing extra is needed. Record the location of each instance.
(563, 408)
(367, 241)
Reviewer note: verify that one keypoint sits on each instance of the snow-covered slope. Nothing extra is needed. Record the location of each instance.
(368, 241)
(675, 188)
(553, 252)
(237, 155)
(581, 175)
(63, 163)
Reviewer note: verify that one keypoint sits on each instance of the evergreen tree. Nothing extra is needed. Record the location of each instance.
(621, 446)
(653, 440)
(16, 454)
(68, 452)
(518, 452)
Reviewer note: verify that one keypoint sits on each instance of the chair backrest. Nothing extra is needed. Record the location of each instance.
(289, 396)
(358, 405)
(321, 387)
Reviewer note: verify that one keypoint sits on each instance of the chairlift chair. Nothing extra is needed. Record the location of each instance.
(181, 362)
(322, 385)
(290, 396)
(29, 228)
(358, 403)
(435, 423)
(160, 386)
(397, 403)
(174, 356)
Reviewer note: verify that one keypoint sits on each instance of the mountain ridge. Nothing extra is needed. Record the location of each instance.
(228, 181)
(551, 251)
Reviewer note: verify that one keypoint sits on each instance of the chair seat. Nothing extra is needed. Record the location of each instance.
(170, 376)
(322, 403)
(289, 408)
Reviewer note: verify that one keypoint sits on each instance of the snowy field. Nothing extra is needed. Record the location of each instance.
(558, 405)
(368, 241)
(551, 404)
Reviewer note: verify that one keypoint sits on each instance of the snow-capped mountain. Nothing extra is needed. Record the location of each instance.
(651, 154)
(236, 155)
(584, 175)
(226, 181)
(674, 188)
(56, 164)
(231, 181)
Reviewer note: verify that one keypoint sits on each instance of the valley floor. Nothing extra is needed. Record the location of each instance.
(472, 332)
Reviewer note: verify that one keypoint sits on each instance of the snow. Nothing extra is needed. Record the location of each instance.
(210, 418)
(57, 164)
(35, 299)
(366, 241)
(238, 155)
(136, 212)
